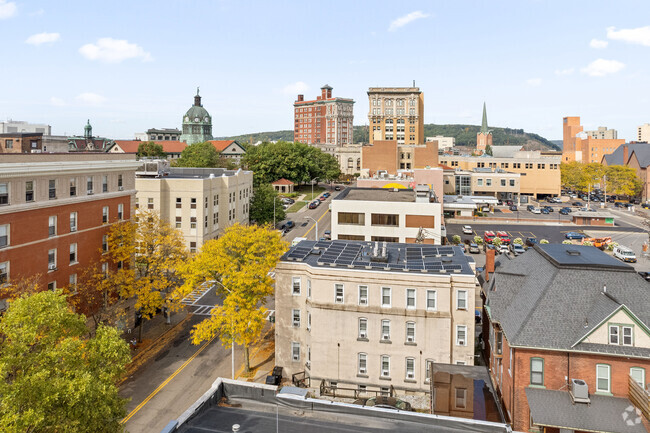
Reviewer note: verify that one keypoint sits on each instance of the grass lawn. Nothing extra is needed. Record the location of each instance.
(296, 206)
(306, 189)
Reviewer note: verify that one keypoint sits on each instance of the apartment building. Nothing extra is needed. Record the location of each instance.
(201, 202)
(373, 315)
(579, 146)
(396, 113)
(387, 215)
(390, 157)
(539, 171)
(443, 142)
(21, 142)
(643, 133)
(163, 134)
(16, 126)
(324, 120)
(487, 181)
(566, 330)
(603, 133)
(55, 212)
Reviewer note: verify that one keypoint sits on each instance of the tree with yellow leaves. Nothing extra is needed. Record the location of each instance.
(240, 261)
(147, 254)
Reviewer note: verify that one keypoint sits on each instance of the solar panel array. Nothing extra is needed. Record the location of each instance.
(420, 258)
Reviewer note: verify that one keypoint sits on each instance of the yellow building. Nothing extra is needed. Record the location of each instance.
(540, 171)
(396, 113)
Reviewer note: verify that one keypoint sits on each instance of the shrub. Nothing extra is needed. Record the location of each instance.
(611, 246)
(588, 243)
(478, 240)
(496, 242)
(567, 242)
(518, 241)
(543, 241)
(455, 239)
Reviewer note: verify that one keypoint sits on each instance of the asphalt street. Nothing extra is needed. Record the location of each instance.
(305, 217)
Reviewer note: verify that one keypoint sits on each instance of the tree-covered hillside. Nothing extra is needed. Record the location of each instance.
(465, 135)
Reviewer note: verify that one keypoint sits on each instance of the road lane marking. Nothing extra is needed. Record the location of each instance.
(318, 220)
(162, 385)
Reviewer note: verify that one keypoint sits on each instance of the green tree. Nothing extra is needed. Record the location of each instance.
(455, 239)
(240, 261)
(262, 205)
(623, 180)
(488, 150)
(201, 155)
(543, 241)
(150, 149)
(518, 241)
(53, 378)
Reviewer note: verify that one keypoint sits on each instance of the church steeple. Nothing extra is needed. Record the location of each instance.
(484, 126)
(197, 98)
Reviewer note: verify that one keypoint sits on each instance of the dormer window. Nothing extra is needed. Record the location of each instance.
(621, 334)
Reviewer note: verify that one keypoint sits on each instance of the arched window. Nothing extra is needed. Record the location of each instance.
(350, 163)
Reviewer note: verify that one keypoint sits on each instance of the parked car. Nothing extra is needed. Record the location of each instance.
(536, 210)
(577, 203)
(322, 198)
(530, 207)
(517, 249)
(531, 241)
(645, 205)
(503, 248)
(544, 211)
(467, 230)
(645, 275)
(326, 194)
(513, 208)
(564, 211)
(548, 208)
(488, 237)
(624, 253)
(328, 235)
(313, 205)
(385, 402)
(509, 202)
(337, 188)
(575, 235)
(505, 239)
(473, 248)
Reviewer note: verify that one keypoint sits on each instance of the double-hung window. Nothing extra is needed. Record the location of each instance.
(52, 188)
(338, 293)
(638, 374)
(4, 235)
(603, 378)
(410, 299)
(621, 334)
(104, 183)
(363, 327)
(295, 351)
(29, 191)
(52, 226)
(431, 300)
(296, 286)
(363, 295)
(410, 368)
(461, 335)
(105, 214)
(73, 187)
(295, 314)
(385, 330)
(4, 272)
(120, 211)
(410, 332)
(363, 363)
(461, 299)
(385, 296)
(73, 254)
(537, 371)
(385, 366)
(73, 221)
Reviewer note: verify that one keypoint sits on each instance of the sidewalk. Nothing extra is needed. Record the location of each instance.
(262, 357)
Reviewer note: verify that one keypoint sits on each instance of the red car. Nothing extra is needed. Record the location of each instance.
(505, 239)
(488, 237)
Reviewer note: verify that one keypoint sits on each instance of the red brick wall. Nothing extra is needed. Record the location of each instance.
(30, 241)
(382, 155)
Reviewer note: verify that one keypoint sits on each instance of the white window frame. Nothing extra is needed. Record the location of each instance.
(414, 297)
(615, 334)
(4, 272)
(51, 222)
(623, 336)
(363, 323)
(295, 318)
(385, 336)
(338, 299)
(385, 290)
(105, 215)
(458, 339)
(295, 351)
(459, 299)
(607, 368)
(73, 250)
(51, 266)
(295, 280)
(410, 370)
(72, 283)
(309, 289)
(434, 298)
(409, 326)
(462, 397)
(74, 222)
(362, 363)
(120, 211)
(363, 299)
(105, 269)
(640, 370)
(5, 231)
(384, 359)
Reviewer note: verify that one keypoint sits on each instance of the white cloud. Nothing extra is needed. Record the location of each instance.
(640, 35)
(88, 98)
(402, 21)
(111, 50)
(296, 88)
(567, 71)
(534, 82)
(602, 67)
(57, 102)
(43, 38)
(7, 9)
(598, 44)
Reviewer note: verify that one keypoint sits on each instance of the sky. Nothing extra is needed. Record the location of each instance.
(133, 65)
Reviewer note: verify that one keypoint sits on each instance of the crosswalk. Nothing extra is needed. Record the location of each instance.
(197, 294)
(202, 310)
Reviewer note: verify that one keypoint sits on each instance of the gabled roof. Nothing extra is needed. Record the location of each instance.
(282, 181)
(642, 151)
(642, 155)
(221, 145)
(169, 146)
(550, 298)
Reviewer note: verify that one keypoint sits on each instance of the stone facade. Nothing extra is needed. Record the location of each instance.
(396, 113)
(197, 123)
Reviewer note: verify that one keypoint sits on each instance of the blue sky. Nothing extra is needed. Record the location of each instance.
(134, 65)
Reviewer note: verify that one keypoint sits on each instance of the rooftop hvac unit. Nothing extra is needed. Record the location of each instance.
(579, 391)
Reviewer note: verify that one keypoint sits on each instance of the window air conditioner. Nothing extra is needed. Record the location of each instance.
(296, 358)
(308, 364)
(90, 192)
(120, 188)
(385, 337)
(362, 371)
(362, 334)
(461, 342)
(410, 375)
(296, 323)
(410, 339)
(339, 299)
(51, 267)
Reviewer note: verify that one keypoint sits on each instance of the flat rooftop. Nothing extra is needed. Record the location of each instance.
(260, 409)
(381, 256)
(581, 256)
(378, 194)
(194, 173)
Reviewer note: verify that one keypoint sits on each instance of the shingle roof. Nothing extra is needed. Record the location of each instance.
(544, 301)
(602, 414)
(221, 145)
(282, 181)
(642, 154)
(642, 151)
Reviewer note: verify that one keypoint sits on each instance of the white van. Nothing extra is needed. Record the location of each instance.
(296, 241)
(625, 254)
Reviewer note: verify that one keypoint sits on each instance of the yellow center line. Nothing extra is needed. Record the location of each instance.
(162, 385)
(321, 217)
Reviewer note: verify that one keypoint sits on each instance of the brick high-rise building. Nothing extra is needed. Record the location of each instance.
(324, 120)
(578, 145)
(56, 210)
(396, 113)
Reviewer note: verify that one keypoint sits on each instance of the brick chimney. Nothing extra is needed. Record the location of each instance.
(301, 98)
(625, 154)
(489, 264)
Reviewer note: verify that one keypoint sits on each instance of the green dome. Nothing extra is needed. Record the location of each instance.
(196, 111)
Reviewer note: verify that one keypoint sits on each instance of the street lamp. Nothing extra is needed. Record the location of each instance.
(316, 236)
(312, 187)
(232, 335)
(274, 198)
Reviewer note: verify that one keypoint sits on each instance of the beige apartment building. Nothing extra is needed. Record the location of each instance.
(372, 315)
(396, 113)
(493, 182)
(643, 133)
(602, 133)
(539, 171)
(202, 202)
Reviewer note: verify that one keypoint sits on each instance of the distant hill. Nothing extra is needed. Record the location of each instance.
(465, 136)
(558, 143)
